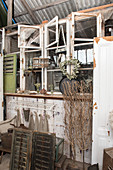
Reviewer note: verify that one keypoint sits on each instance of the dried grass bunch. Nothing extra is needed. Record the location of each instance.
(78, 98)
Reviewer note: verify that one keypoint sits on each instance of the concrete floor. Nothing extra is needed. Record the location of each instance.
(5, 162)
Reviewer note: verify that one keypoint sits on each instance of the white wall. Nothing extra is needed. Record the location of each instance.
(102, 97)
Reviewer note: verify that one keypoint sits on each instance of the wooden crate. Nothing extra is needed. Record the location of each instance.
(40, 62)
(108, 159)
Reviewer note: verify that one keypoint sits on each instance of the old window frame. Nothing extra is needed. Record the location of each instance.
(20, 32)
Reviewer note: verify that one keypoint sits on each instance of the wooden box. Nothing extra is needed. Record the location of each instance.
(40, 62)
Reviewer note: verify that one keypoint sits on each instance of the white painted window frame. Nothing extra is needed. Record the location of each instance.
(48, 47)
(53, 22)
(23, 57)
(70, 20)
(19, 35)
(100, 31)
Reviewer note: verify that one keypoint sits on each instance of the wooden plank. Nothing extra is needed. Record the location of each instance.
(12, 33)
(49, 96)
(96, 8)
(30, 12)
(43, 7)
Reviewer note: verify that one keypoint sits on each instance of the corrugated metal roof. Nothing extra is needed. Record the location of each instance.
(61, 10)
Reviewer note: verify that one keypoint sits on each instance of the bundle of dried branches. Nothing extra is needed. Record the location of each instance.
(69, 119)
(78, 114)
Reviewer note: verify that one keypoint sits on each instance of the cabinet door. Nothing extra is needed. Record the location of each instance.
(10, 73)
(102, 98)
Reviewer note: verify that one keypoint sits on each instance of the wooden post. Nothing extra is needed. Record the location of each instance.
(10, 11)
(9, 22)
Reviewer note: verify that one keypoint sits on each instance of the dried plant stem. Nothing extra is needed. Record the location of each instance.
(78, 115)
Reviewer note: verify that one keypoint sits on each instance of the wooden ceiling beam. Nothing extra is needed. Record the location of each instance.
(42, 7)
(96, 8)
(29, 11)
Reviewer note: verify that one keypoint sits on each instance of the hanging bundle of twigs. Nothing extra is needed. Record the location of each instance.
(78, 114)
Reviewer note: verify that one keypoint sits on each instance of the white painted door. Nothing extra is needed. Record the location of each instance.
(102, 97)
(1, 85)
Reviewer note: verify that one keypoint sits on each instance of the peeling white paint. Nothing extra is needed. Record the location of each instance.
(103, 97)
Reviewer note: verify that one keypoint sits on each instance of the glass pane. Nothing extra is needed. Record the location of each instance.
(82, 56)
(89, 55)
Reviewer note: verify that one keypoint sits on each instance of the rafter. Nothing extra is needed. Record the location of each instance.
(10, 11)
(42, 7)
(29, 11)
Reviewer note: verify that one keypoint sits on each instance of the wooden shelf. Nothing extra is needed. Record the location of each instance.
(80, 96)
(47, 96)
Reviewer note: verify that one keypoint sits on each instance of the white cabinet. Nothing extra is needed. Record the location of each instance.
(102, 97)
